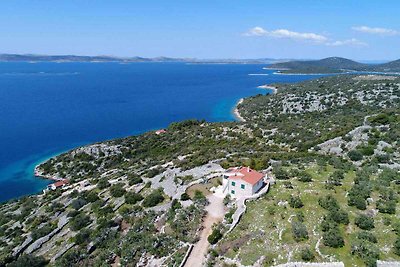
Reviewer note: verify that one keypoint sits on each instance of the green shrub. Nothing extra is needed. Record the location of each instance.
(295, 202)
(154, 198)
(132, 198)
(103, 183)
(333, 238)
(307, 254)
(79, 221)
(29, 260)
(305, 177)
(299, 231)
(364, 222)
(355, 155)
(185, 197)
(215, 236)
(117, 190)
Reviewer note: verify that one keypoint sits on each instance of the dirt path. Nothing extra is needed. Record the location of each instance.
(215, 214)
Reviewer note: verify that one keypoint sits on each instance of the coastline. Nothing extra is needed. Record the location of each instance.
(236, 111)
(269, 87)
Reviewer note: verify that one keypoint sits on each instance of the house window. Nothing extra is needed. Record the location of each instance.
(242, 186)
(233, 183)
(233, 192)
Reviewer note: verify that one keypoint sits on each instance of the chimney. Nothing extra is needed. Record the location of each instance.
(248, 169)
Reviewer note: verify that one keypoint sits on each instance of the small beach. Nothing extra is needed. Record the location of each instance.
(268, 87)
(236, 111)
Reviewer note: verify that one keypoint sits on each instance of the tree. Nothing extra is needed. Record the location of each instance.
(364, 222)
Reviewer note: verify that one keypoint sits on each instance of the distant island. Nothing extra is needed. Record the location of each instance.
(75, 58)
(333, 65)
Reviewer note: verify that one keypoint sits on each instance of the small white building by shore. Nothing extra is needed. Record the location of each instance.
(242, 182)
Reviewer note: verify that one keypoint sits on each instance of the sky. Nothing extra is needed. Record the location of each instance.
(303, 29)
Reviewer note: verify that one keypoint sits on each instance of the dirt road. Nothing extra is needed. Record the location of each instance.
(215, 214)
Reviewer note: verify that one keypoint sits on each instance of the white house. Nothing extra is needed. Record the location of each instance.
(58, 184)
(242, 181)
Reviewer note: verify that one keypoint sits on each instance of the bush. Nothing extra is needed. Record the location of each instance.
(357, 201)
(215, 236)
(367, 236)
(154, 198)
(396, 247)
(339, 216)
(281, 174)
(117, 190)
(306, 254)
(78, 203)
(185, 197)
(79, 221)
(103, 183)
(355, 155)
(305, 177)
(295, 202)
(91, 196)
(134, 179)
(333, 238)
(329, 203)
(43, 231)
(364, 222)
(386, 206)
(82, 237)
(29, 260)
(367, 251)
(132, 197)
(299, 231)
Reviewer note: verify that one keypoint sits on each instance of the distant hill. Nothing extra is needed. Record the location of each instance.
(333, 65)
(392, 66)
(74, 58)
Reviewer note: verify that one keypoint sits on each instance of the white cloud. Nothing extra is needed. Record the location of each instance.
(306, 36)
(284, 33)
(375, 30)
(352, 42)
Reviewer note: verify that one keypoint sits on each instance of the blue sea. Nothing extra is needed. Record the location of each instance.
(49, 108)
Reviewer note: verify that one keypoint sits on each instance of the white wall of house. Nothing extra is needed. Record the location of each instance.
(239, 188)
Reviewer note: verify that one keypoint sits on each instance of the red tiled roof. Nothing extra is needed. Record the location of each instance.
(246, 174)
(60, 183)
